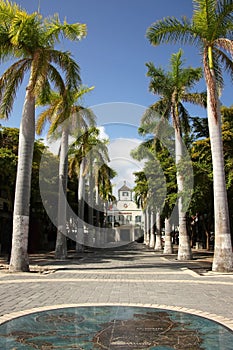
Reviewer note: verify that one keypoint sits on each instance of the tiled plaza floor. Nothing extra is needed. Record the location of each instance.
(131, 275)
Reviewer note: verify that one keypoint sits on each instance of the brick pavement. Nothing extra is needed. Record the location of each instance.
(130, 275)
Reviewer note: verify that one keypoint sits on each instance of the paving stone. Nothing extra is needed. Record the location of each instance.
(128, 275)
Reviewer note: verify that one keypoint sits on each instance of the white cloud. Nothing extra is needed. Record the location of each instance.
(120, 158)
(103, 135)
(123, 163)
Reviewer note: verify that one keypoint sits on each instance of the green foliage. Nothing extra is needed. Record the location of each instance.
(65, 111)
(156, 185)
(30, 39)
(93, 152)
(173, 88)
(202, 199)
(9, 138)
(227, 134)
(210, 30)
(140, 189)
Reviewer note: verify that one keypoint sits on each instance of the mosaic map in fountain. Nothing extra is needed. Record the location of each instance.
(114, 327)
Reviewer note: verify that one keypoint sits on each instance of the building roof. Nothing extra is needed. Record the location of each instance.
(124, 188)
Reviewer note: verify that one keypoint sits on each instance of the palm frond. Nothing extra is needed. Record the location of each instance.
(51, 114)
(171, 30)
(39, 68)
(74, 31)
(225, 44)
(197, 98)
(55, 77)
(42, 119)
(204, 17)
(142, 152)
(159, 80)
(190, 76)
(226, 62)
(43, 94)
(55, 29)
(59, 118)
(224, 17)
(82, 117)
(25, 31)
(9, 83)
(218, 68)
(68, 65)
(82, 90)
(6, 49)
(8, 10)
(184, 117)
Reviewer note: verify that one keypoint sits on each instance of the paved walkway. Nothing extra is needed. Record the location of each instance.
(130, 275)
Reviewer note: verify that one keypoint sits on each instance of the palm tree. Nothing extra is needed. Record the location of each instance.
(210, 29)
(105, 175)
(173, 88)
(202, 200)
(67, 117)
(97, 155)
(31, 39)
(141, 197)
(150, 181)
(89, 158)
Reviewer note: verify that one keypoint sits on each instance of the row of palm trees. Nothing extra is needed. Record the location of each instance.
(174, 87)
(88, 161)
(65, 116)
(30, 41)
(210, 30)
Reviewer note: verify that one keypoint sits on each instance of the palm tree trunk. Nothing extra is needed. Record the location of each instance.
(91, 193)
(98, 242)
(90, 235)
(147, 229)
(158, 241)
(152, 233)
(19, 254)
(81, 190)
(61, 242)
(184, 250)
(168, 241)
(223, 260)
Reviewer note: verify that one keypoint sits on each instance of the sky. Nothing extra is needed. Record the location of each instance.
(112, 58)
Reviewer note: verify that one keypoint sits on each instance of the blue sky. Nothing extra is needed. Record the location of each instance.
(113, 55)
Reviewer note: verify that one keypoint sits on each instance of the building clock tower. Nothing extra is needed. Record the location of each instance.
(125, 193)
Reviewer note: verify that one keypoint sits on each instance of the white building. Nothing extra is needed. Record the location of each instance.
(125, 216)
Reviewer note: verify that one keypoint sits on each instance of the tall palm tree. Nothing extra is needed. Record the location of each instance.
(97, 155)
(105, 175)
(66, 117)
(78, 166)
(141, 198)
(31, 39)
(152, 182)
(89, 158)
(173, 88)
(210, 29)
(166, 162)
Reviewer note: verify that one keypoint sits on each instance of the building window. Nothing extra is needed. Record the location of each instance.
(110, 218)
(138, 218)
(129, 218)
(125, 194)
